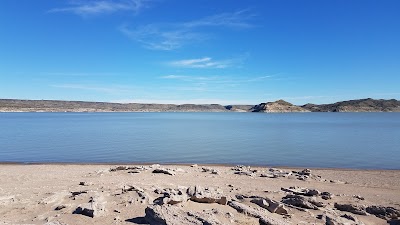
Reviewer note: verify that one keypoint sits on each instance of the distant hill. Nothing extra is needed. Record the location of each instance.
(280, 106)
(360, 105)
(14, 105)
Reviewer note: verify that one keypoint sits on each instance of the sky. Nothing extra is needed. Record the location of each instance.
(200, 51)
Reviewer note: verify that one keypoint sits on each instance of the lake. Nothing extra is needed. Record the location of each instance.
(335, 140)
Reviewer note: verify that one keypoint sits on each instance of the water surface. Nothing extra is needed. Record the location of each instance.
(340, 140)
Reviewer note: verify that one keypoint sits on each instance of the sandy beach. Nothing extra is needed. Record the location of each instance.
(196, 194)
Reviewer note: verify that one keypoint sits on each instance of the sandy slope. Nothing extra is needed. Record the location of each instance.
(29, 194)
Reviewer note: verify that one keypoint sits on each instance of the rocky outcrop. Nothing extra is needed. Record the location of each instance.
(259, 213)
(279, 106)
(172, 215)
(353, 208)
(360, 105)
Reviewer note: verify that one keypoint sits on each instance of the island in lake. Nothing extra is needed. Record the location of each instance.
(280, 106)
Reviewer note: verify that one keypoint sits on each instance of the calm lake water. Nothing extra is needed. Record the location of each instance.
(341, 140)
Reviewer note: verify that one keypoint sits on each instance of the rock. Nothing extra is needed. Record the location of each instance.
(341, 220)
(394, 222)
(356, 209)
(214, 171)
(172, 215)
(358, 197)
(175, 196)
(84, 183)
(270, 205)
(261, 214)
(206, 195)
(143, 196)
(95, 207)
(60, 207)
(194, 165)
(386, 213)
(164, 171)
(118, 168)
(246, 173)
(302, 191)
(306, 172)
(326, 195)
(206, 169)
(300, 201)
(275, 173)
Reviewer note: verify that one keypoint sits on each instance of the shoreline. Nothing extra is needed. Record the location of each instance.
(190, 164)
(66, 194)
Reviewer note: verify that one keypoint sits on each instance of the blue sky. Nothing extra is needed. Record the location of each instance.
(204, 51)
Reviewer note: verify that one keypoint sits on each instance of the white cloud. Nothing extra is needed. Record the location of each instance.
(170, 36)
(207, 62)
(94, 7)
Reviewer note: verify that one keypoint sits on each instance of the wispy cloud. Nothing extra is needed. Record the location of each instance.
(205, 62)
(97, 7)
(108, 90)
(238, 19)
(170, 36)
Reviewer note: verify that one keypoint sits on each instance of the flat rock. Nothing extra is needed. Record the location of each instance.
(386, 213)
(206, 195)
(353, 208)
(259, 213)
(302, 202)
(164, 171)
(172, 215)
(270, 205)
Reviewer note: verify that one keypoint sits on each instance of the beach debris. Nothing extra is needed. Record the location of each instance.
(353, 208)
(165, 171)
(302, 202)
(163, 215)
(94, 208)
(270, 205)
(206, 195)
(259, 213)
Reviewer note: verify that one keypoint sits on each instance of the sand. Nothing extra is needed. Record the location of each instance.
(30, 194)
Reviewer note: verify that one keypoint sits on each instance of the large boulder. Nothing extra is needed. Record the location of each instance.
(206, 195)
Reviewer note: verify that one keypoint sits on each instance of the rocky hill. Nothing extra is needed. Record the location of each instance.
(13, 105)
(280, 106)
(360, 105)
